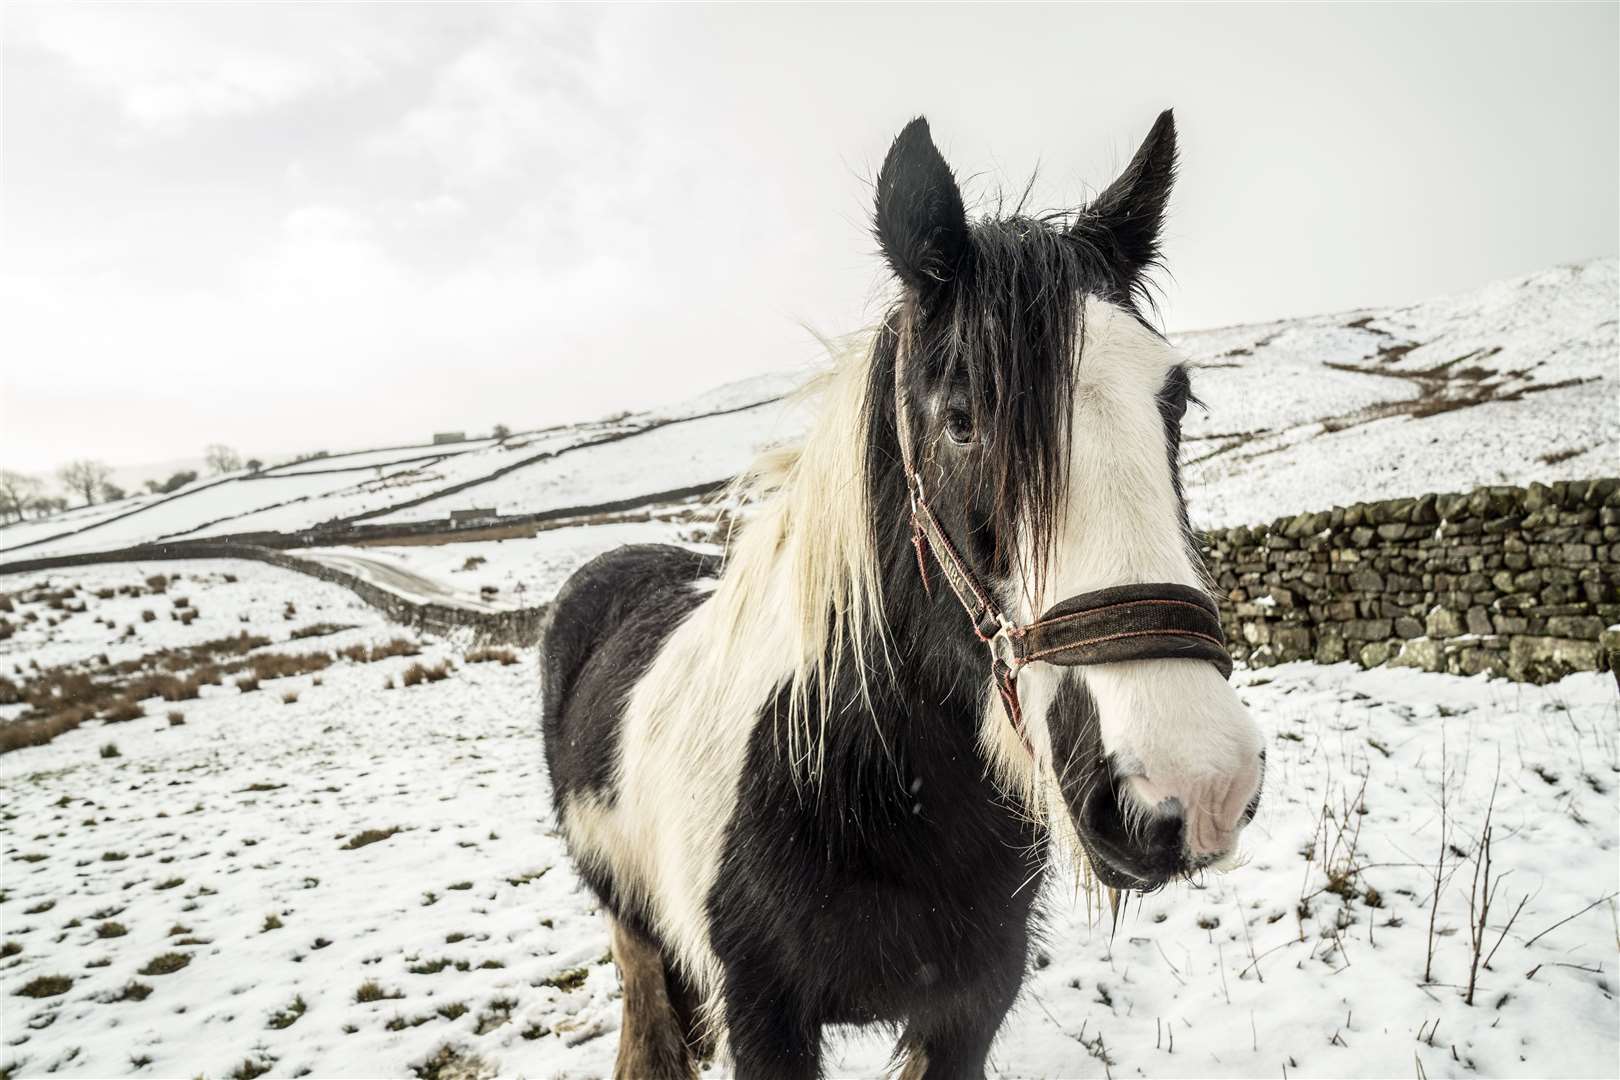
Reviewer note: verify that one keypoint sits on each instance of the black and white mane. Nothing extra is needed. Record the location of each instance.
(785, 774)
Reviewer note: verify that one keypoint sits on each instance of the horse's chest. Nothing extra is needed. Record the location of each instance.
(880, 905)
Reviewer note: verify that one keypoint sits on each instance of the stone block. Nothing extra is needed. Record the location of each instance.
(1376, 653)
(1545, 659)
(1444, 623)
(1407, 627)
(1423, 653)
(1584, 627)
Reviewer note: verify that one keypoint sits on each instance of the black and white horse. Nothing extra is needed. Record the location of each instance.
(787, 774)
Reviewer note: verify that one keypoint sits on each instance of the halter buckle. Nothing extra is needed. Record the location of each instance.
(1004, 650)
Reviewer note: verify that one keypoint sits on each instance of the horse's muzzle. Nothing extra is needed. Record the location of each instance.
(1130, 846)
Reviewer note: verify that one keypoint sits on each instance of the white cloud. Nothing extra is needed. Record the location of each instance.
(171, 66)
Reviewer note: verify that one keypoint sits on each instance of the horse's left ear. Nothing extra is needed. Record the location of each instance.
(920, 223)
(1128, 216)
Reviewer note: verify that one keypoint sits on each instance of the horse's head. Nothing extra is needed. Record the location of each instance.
(1044, 415)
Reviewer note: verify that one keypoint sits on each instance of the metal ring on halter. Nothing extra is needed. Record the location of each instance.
(1002, 647)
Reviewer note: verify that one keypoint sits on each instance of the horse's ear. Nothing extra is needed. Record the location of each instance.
(920, 223)
(1130, 213)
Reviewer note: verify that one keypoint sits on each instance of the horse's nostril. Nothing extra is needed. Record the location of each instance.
(1254, 803)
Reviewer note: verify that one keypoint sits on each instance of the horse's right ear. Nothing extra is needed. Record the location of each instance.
(920, 223)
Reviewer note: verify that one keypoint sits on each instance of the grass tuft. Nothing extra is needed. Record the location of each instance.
(45, 986)
(369, 836)
(165, 964)
(370, 991)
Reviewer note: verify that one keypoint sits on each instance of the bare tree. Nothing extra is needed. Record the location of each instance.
(84, 477)
(222, 459)
(16, 489)
(46, 505)
(502, 432)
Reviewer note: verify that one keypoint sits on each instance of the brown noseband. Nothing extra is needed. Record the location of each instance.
(1159, 621)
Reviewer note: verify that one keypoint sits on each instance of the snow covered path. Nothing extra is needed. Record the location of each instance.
(401, 579)
(352, 882)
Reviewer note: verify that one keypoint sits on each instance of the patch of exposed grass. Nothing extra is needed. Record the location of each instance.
(447, 1062)
(504, 657)
(271, 922)
(170, 883)
(45, 986)
(132, 991)
(498, 1013)
(40, 908)
(370, 991)
(110, 750)
(568, 979)
(421, 673)
(286, 665)
(247, 683)
(290, 697)
(369, 836)
(250, 1068)
(10, 949)
(176, 719)
(122, 712)
(165, 964)
(286, 1018)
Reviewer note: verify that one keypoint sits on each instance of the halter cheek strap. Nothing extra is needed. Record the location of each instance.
(1160, 621)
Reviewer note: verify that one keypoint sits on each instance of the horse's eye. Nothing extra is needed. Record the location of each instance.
(959, 426)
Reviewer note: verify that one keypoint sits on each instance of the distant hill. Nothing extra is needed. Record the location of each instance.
(1514, 382)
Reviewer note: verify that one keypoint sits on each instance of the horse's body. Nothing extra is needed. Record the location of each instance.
(786, 777)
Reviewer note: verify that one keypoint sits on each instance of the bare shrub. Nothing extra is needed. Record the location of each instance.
(420, 673)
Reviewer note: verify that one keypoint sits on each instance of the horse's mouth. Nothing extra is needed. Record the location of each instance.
(1142, 854)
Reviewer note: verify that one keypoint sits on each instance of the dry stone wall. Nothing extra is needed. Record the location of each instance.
(1517, 582)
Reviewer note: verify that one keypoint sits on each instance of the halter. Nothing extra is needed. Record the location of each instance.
(1160, 621)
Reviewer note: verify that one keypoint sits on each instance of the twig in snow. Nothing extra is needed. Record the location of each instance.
(1440, 862)
(1577, 915)
(1479, 898)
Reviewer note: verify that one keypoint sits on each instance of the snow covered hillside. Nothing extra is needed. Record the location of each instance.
(1513, 382)
(334, 873)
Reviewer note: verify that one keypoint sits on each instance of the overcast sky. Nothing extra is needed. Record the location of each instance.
(302, 225)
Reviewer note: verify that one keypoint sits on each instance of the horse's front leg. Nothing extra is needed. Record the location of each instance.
(771, 1037)
(952, 1040)
(652, 1042)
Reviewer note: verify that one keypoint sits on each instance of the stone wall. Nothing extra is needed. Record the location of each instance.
(521, 626)
(1518, 582)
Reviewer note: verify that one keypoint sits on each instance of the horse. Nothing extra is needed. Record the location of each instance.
(963, 636)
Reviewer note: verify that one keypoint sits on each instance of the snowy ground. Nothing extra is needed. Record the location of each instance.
(235, 842)
(522, 572)
(1513, 382)
(676, 456)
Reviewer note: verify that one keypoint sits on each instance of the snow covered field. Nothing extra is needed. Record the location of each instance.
(522, 572)
(1513, 382)
(679, 455)
(350, 883)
